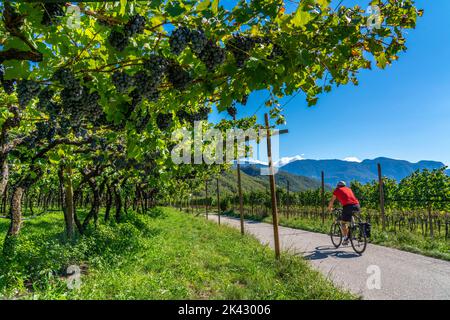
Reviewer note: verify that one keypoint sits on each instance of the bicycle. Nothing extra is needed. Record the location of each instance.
(358, 232)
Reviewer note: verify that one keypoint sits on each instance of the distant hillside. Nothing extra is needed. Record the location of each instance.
(365, 171)
(251, 180)
(296, 182)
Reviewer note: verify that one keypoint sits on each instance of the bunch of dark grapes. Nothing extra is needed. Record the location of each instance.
(52, 13)
(212, 55)
(136, 99)
(232, 111)
(45, 97)
(64, 126)
(135, 25)
(198, 41)
(163, 121)
(122, 81)
(80, 132)
(179, 40)
(8, 86)
(51, 132)
(77, 100)
(240, 46)
(151, 93)
(157, 67)
(147, 84)
(118, 40)
(53, 108)
(145, 87)
(15, 120)
(202, 114)
(42, 130)
(26, 91)
(71, 97)
(89, 105)
(178, 77)
(66, 78)
(183, 116)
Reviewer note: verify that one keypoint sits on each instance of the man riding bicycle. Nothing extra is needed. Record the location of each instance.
(349, 204)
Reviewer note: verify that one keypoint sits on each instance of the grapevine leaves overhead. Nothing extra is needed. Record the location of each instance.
(143, 67)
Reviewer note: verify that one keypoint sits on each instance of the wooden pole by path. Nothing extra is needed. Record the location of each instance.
(241, 200)
(218, 200)
(322, 191)
(380, 184)
(272, 190)
(288, 201)
(206, 198)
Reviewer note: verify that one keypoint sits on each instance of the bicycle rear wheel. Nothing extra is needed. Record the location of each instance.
(358, 240)
(336, 234)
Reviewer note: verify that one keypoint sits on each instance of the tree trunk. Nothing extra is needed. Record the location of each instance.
(16, 211)
(70, 208)
(108, 202)
(4, 174)
(118, 203)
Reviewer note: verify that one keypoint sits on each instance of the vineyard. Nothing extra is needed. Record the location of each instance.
(419, 205)
(92, 92)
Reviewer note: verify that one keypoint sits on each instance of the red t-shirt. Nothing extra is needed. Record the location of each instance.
(345, 196)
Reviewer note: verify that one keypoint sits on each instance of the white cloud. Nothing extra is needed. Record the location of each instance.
(285, 160)
(352, 159)
(251, 160)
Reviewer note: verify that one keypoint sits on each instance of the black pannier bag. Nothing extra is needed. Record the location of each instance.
(367, 228)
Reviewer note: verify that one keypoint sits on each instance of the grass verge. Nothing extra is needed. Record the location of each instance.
(164, 255)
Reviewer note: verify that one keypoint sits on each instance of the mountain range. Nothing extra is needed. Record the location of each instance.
(364, 171)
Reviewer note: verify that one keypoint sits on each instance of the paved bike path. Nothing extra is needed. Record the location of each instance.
(403, 275)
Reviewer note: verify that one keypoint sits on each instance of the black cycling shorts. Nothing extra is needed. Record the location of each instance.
(348, 211)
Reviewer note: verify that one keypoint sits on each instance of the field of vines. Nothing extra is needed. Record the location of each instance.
(419, 203)
(417, 209)
(91, 93)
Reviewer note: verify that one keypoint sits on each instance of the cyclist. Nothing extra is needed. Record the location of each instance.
(350, 206)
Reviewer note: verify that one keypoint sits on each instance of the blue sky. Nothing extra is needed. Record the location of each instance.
(401, 112)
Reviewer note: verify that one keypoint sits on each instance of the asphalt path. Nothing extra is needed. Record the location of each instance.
(380, 273)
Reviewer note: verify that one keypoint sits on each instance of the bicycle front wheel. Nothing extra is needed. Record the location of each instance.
(336, 234)
(358, 240)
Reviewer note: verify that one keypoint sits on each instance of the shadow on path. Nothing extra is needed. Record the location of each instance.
(324, 252)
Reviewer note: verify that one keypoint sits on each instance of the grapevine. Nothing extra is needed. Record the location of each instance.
(179, 40)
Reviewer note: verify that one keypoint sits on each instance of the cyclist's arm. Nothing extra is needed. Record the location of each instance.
(331, 203)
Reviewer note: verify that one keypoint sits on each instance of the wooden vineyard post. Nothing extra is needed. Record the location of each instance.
(288, 201)
(272, 190)
(206, 198)
(322, 193)
(218, 200)
(380, 184)
(241, 200)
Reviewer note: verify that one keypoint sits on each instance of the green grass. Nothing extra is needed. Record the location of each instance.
(165, 255)
(403, 240)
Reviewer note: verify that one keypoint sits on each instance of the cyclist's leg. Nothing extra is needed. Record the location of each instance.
(346, 219)
(344, 228)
